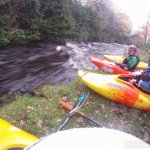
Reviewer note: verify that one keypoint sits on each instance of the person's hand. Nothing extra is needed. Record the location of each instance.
(125, 68)
(132, 81)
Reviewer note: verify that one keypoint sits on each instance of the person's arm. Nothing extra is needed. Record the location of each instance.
(136, 79)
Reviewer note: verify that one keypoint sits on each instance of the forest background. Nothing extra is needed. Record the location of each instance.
(27, 21)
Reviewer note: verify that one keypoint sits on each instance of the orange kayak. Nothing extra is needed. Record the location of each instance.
(115, 88)
(109, 66)
(116, 58)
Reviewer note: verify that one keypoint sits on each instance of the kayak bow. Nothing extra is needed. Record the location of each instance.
(109, 66)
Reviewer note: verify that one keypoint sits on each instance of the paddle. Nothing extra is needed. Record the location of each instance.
(83, 97)
(69, 107)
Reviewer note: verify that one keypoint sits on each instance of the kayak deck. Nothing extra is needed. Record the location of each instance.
(12, 137)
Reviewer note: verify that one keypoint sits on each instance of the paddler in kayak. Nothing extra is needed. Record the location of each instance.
(143, 80)
(131, 61)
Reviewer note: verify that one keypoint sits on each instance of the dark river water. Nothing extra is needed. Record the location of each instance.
(25, 68)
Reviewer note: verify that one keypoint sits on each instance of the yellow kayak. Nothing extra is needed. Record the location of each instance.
(12, 137)
(115, 88)
(119, 59)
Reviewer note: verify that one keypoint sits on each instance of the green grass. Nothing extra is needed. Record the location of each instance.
(40, 114)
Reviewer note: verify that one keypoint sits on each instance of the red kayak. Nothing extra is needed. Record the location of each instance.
(109, 66)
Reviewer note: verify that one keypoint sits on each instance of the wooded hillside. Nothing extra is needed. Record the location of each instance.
(24, 21)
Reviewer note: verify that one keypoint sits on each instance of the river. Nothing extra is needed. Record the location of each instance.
(25, 68)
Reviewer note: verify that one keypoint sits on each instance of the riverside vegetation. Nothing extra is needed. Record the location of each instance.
(40, 114)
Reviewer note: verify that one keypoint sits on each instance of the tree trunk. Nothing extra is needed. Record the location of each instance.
(11, 19)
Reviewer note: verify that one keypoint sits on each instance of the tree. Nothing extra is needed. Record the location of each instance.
(57, 23)
(121, 27)
(145, 33)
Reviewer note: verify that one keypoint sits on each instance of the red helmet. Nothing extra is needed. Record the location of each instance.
(133, 47)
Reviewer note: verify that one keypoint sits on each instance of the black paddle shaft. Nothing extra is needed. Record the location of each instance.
(92, 121)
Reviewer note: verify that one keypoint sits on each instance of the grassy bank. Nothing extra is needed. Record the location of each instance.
(40, 113)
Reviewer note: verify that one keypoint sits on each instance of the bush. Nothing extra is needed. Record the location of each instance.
(19, 37)
(4, 41)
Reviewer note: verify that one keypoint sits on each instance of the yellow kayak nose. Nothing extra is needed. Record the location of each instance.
(13, 137)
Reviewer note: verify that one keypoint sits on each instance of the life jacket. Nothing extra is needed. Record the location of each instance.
(127, 63)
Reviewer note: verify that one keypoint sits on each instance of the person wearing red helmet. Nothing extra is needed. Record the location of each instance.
(131, 61)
